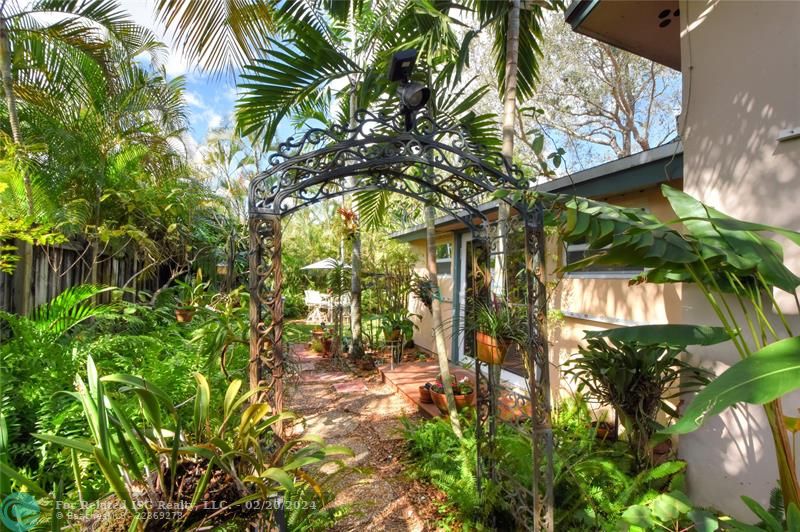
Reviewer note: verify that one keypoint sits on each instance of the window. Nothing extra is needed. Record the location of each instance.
(444, 259)
(579, 251)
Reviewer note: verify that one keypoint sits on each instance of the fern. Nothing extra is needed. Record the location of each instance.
(71, 307)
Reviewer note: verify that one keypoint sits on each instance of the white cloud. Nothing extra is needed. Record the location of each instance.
(193, 100)
(214, 120)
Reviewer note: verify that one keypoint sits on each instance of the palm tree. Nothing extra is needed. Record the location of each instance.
(36, 55)
(298, 77)
(516, 28)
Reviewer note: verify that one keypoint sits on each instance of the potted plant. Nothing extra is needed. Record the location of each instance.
(396, 325)
(637, 380)
(318, 332)
(425, 393)
(463, 393)
(327, 341)
(188, 297)
(497, 325)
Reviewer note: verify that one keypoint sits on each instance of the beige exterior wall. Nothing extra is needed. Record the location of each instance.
(423, 336)
(741, 87)
(599, 301)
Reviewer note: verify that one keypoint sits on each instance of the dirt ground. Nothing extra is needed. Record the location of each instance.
(360, 412)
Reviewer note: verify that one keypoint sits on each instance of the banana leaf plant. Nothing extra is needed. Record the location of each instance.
(156, 456)
(735, 264)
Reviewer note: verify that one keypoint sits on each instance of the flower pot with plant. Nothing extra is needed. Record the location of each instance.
(498, 325)
(318, 333)
(397, 325)
(463, 393)
(638, 380)
(189, 296)
(425, 393)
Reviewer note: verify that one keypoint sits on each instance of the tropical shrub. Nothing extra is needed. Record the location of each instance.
(159, 455)
(735, 266)
(448, 462)
(637, 380)
(595, 481)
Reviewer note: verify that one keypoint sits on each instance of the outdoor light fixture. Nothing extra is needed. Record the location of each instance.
(413, 95)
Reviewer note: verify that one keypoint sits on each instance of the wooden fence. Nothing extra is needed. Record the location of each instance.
(56, 268)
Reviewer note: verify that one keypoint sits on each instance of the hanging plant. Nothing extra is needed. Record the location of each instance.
(349, 221)
(422, 288)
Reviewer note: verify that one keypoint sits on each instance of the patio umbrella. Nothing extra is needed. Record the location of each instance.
(325, 264)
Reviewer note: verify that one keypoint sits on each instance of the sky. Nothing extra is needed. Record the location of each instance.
(210, 99)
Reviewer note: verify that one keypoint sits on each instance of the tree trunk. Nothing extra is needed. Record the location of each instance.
(509, 125)
(357, 347)
(26, 251)
(510, 95)
(436, 314)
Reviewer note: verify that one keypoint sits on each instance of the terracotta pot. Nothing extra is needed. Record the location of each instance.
(490, 349)
(327, 346)
(184, 315)
(508, 410)
(462, 401)
(425, 395)
(604, 431)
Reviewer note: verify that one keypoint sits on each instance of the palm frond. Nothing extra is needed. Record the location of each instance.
(276, 87)
(73, 306)
(372, 207)
(219, 35)
(495, 16)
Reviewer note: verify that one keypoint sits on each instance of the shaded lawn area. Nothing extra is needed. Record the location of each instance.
(299, 332)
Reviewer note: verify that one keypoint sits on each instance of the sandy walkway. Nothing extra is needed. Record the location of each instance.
(363, 414)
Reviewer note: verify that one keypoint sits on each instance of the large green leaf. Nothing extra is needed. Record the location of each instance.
(744, 248)
(673, 334)
(114, 479)
(138, 382)
(202, 401)
(72, 443)
(11, 473)
(765, 376)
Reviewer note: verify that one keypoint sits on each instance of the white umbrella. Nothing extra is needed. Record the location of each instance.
(325, 264)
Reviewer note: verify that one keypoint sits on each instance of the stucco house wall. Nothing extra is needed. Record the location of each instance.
(741, 88)
(423, 335)
(584, 301)
(599, 301)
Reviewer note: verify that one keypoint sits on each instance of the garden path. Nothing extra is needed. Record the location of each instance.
(362, 413)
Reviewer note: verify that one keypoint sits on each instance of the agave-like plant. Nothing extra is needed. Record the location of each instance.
(637, 380)
(173, 471)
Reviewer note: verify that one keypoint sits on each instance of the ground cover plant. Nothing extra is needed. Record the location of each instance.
(597, 484)
(94, 394)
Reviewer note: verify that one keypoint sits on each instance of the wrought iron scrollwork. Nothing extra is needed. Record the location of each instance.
(436, 161)
(266, 308)
(377, 153)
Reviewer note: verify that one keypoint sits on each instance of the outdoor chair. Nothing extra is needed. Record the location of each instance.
(316, 305)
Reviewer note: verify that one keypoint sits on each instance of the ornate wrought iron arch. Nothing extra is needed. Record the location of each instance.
(434, 161)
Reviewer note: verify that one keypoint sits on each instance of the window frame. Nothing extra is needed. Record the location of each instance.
(626, 272)
(445, 260)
